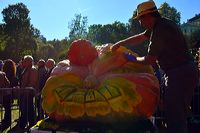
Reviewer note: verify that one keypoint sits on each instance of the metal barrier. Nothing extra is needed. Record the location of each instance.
(10, 97)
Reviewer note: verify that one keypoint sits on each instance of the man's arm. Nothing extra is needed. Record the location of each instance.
(133, 40)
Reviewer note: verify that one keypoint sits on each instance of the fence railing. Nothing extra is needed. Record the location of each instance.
(10, 98)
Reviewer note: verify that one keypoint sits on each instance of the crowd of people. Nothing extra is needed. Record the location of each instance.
(26, 73)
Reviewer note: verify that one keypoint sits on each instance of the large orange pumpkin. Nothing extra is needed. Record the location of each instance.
(112, 89)
(81, 52)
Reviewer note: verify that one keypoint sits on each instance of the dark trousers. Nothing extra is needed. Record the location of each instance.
(27, 109)
(180, 84)
(39, 108)
(7, 101)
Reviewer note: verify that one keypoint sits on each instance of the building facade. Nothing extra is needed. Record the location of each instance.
(191, 25)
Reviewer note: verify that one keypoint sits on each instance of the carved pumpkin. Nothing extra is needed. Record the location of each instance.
(110, 89)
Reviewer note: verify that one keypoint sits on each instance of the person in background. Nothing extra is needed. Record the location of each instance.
(9, 68)
(50, 64)
(26, 105)
(4, 83)
(42, 77)
(168, 47)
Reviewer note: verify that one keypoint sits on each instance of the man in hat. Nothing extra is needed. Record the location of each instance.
(167, 47)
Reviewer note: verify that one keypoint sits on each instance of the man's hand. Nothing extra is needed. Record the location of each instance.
(129, 56)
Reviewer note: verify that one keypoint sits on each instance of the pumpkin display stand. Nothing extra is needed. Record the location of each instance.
(98, 90)
(132, 126)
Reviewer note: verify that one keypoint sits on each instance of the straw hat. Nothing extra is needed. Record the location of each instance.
(146, 8)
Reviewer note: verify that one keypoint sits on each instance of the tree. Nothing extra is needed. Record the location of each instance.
(105, 34)
(19, 32)
(43, 39)
(46, 51)
(60, 48)
(78, 27)
(109, 33)
(2, 40)
(35, 32)
(94, 33)
(170, 12)
(120, 31)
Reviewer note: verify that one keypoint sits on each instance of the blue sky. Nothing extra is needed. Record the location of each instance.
(51, 17)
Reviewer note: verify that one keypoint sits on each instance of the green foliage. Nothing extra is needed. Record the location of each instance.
(19, 32)
(94, 33)
(78, 27)
(55, 49)
(25, 52)
(170, 12)
(2, 39)
(109, 33)
(35, 32)
(62, 55)
(46, 51)
(43, 39)
(16, 19)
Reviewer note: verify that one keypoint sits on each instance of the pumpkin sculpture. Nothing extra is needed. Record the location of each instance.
(104, 87)
(81, 52)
